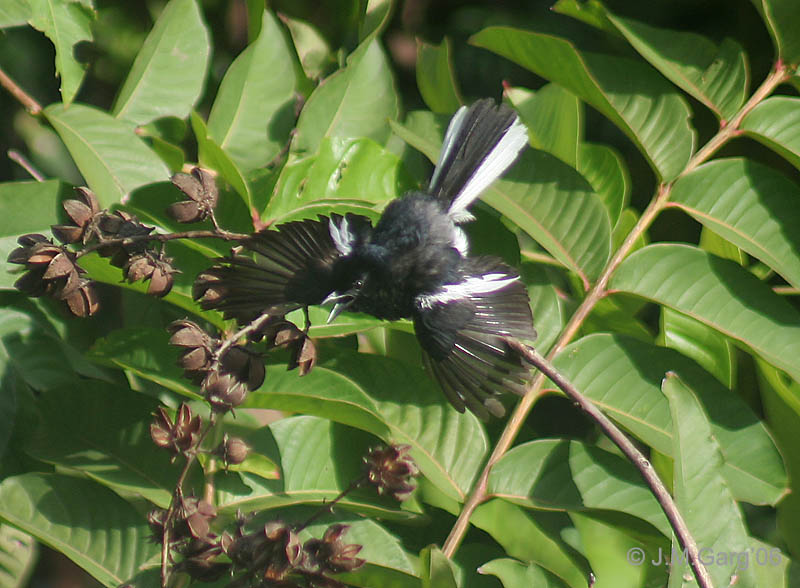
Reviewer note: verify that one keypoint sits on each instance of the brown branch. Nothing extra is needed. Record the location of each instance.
(163, 238)
(25, 164)
(635, 456)
(21, 95)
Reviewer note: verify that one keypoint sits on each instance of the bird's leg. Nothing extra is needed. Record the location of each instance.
(308, 321)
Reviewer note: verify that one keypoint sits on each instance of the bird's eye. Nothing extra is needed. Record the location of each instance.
(359, 283)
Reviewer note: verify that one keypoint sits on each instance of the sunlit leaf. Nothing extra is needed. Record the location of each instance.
(779, 16)
(515, 574)
(608, 174)
(14, 13)
(435, 77)
(18, 551)
(775, 122)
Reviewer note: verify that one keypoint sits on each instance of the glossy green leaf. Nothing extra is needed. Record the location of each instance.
(625, 223)
(560, 474)
(312, 49)
(713, 243)
(254, 108)
(719, 293)
(780, 16)
(642, 104)
(66, 23)
(116, 451)
(318, 459)
(623, 377)
(548, 200)
(14, 13)
(715, 76)
(526, 539)
(608, 174)
(436, 569)
(514, 574)
(18, 551)
(169, 72)
(750, 205)
(775, 122)
(701, 491)
(548, 316)
(214, 157)
(90, 524)
(357, 169)
(26, 207)
(112, 159)
(435, 78)
(374, 19)
(554, 118)
(703, 344)
(356, 101)
(392, 400)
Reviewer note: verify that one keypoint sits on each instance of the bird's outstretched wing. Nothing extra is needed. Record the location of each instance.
(462, 330)
(480, 143)
(280, 269)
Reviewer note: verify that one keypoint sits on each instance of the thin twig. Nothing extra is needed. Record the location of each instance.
(635, 456)
(251, 327)
(162, 238)
(25, 164)
(21, 95)
(328, 506)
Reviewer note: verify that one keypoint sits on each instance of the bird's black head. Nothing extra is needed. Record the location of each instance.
(357, 280)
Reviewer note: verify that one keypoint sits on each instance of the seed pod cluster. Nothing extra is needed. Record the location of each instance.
(392, 470)
(179, 436)
(202, 195)
(153, 267)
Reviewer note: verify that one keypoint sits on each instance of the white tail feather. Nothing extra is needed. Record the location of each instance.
(492, 167)
(449, 142)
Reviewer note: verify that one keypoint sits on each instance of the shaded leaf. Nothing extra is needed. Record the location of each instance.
(719, 293)
(254, 108)
(112, 159)
(608, 174)
(701, 492)
(779, 16)
(169, 72)
(356, 101)
(18, 552)
(66, 23)
(750, 205)
(554, 118)
(14, 13)
(514, 574)
(91, 525)
(641, 103)
(312, 49)
(623, 377)
(775, 122)
(435, 78)
(436, 569)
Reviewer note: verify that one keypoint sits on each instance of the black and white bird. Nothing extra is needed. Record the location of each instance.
(414, 263)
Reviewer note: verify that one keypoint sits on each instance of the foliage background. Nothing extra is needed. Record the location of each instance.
(59, 374)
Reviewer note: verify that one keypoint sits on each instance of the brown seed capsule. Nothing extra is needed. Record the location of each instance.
(232, 450)
(244, 365)
(83, 301)
(179, 436)
(223, 392)
(304, 355)
(392, 470)
(332, 555)
(186, 211)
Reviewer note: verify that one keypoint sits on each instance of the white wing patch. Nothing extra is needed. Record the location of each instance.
(491, 168)
(342, 237)
(463, 290)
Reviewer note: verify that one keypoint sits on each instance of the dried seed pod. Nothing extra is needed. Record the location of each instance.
(200, 561)
(82, 212)
(392, 470)
(83, 301)
(195, 516)
(201, 190)
(147, 266)
(332, 555)
(304, 355)
(223, 391)
(244, 365)
(198, 349)
(232, 450)
(179, 436)
(156, 519)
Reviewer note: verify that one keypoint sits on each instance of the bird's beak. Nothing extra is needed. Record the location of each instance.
(340, 303)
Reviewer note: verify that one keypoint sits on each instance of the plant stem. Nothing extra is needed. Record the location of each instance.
(479, 492)
(31, 105)
(163, 238)
(25, 164)
(251, 327)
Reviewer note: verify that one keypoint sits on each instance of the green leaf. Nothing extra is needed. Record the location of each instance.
(749, 205)
(437, 571)
(392, 400)
(14, 13)
(312, 49)
(719, 293)
(608, 174)
(548, 200)
(26, 207)
(18, 551)
(91, 525)
(435, 78)
(375, 18)
(715, 76)
(641, 103)
(214, 157)
(560, 474)
(625, 223)
(775, 122)
(356, 101)
(694, 339)
(514, 574)
(112, 159)
(701, 491)
(548, 316)
(169, 73)
(779, 16)
(301, 445)
(554, 118)
(254, 108)
(66, 23)
(115, 450)
(526, 539)
(623, 377)
(342, 169)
